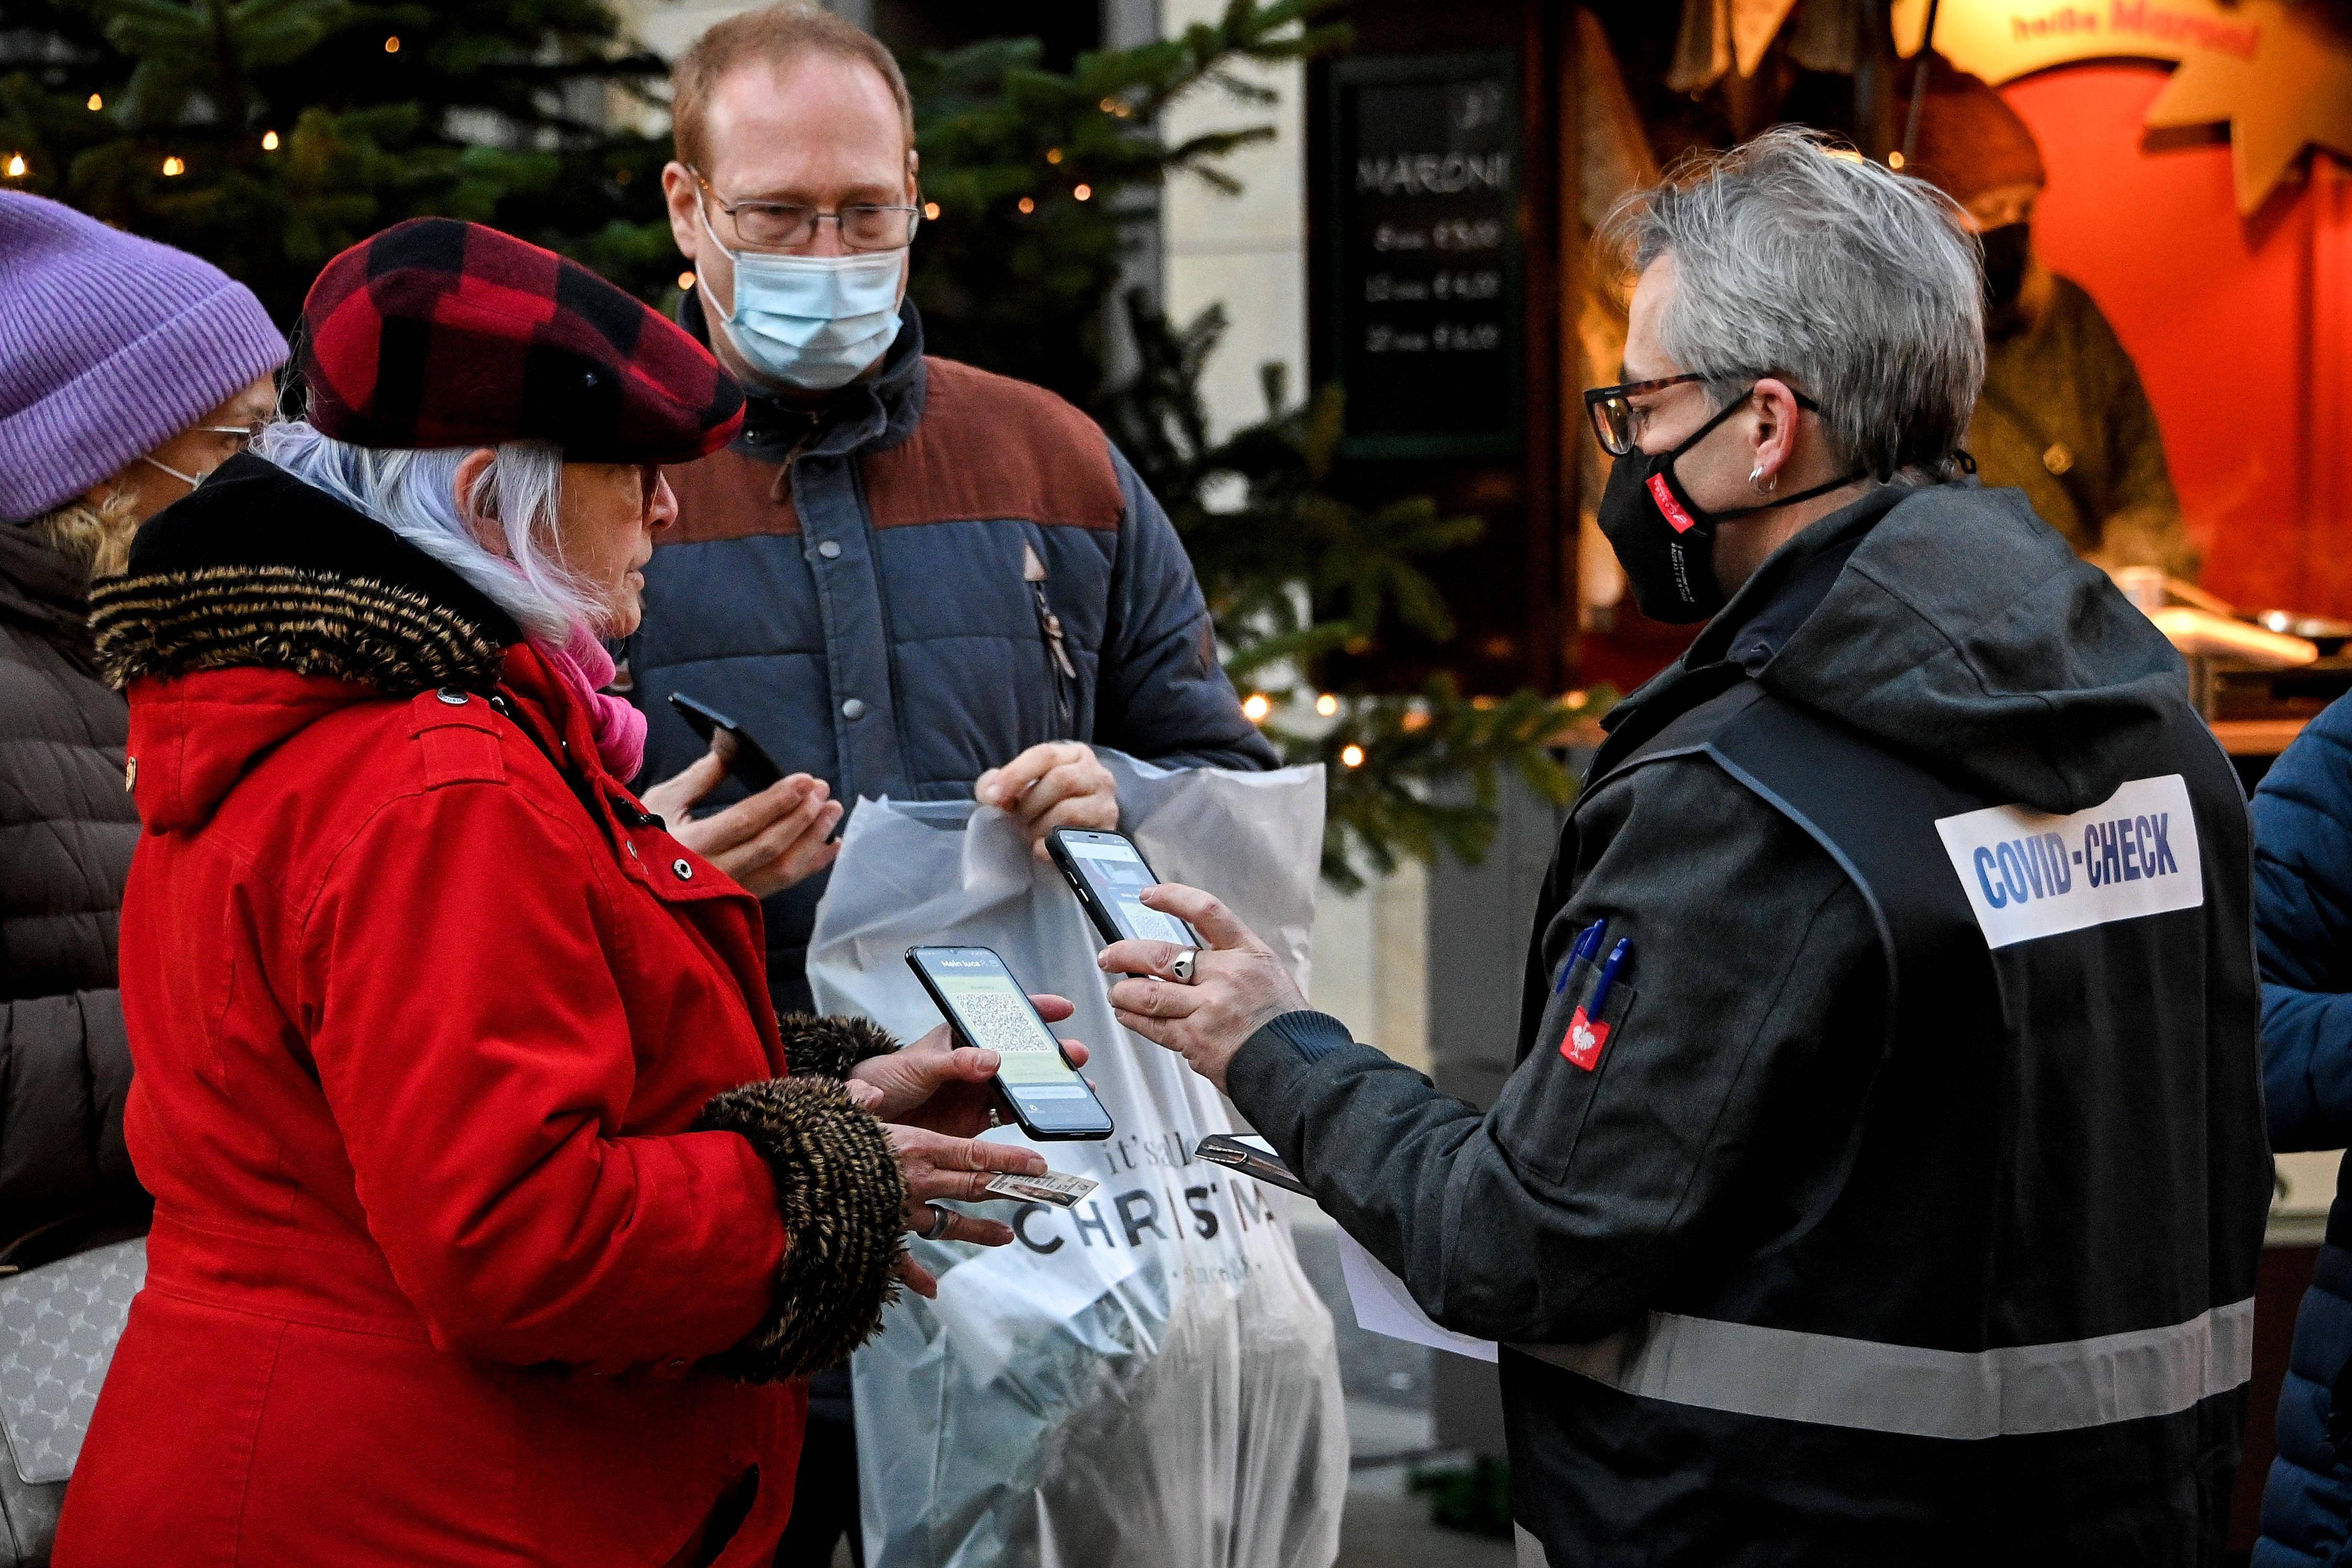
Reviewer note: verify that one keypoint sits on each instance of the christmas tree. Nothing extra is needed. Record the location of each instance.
(268, 134)
(265, 135)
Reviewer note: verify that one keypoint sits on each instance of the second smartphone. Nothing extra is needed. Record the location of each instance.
(976, 995)
(1108, 871)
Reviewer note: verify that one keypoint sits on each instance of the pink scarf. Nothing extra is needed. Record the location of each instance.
(586, 668)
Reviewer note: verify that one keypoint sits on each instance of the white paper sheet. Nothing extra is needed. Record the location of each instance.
(1383, 1306)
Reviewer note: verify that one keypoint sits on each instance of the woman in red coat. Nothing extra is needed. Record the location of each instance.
(495, 1221)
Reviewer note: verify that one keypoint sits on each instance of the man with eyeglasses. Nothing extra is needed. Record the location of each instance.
(910, 577)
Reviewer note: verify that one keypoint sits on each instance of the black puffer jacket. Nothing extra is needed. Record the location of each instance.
(66, 828)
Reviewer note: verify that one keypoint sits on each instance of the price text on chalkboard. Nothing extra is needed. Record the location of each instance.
(1421, 297)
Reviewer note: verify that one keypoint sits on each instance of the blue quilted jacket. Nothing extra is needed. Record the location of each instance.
(2303, 929)
(933, 572)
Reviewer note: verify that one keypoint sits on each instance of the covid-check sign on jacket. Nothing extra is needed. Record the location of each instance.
(2027, 875)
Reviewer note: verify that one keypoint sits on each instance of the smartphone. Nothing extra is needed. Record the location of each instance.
(978, 996)
(1108, 871)
(1250, 1156)
(732, 743)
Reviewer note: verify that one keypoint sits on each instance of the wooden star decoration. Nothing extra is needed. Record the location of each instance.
(2294, 92)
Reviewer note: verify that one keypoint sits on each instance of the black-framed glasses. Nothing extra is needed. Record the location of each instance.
(1617, 423)
(788, 226)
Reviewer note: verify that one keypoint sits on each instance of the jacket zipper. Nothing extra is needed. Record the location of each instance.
(1060, 673)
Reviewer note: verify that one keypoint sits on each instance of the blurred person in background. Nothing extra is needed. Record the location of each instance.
(2302, 935)
(497, 1219)
(127, 370)
(907, 576)
(2063, 416)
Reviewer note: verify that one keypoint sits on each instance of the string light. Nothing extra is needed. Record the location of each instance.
(16, 165)
(1351, 756)
(931, 211)
(1894, 159)
(392, 44)
(686, 280)
(269, 140)
(1028, 205)
(95, 103)
(1053, 154)
(1110, 106)
(1326, 705)
(1083, 192)
(173, 166)
(1256, 706)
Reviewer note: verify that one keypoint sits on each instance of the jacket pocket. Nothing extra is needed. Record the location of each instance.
(1543, 1107)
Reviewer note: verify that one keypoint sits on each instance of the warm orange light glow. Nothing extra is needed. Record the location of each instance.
(1326, 705)
(1083, 192)
(95, 103)
(931, 211)
(1053, 154)
(1028, 205)
(173, 166)
(1351, 756)
(1256, 706)
(1894, 159)
(16, 165)
(269, 140)
(392, 44)
(685, 279)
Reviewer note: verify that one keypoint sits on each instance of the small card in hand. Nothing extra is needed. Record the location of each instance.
(1053, 1187)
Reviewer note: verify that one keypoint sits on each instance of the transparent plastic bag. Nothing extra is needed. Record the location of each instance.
(1147, 1378)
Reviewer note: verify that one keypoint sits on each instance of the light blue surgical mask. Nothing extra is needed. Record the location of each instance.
(813, 321)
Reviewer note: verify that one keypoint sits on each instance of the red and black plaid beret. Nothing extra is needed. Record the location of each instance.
(442, 333)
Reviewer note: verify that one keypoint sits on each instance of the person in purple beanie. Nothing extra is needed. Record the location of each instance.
(127, 370)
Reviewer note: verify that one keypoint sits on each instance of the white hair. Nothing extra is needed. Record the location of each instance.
(1862, 286)
(413, 493)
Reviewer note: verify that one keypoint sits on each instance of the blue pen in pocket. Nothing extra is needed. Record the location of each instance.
(1586, 949)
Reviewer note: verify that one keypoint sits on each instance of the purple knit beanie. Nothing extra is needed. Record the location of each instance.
(109, 346)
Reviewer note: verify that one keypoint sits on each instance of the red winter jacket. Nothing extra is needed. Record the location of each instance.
(440, 1272)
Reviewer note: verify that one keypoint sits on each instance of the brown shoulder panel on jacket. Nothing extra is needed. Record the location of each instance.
(990, 447)
(729, 496)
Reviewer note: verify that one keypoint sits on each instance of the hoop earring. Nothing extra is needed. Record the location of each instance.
(1759, 483)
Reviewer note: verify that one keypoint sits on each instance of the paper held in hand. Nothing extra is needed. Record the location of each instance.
(1053, 1187)
(1383, 1306)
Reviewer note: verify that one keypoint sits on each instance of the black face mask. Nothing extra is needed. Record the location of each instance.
(2005, 250)
(1665, 541)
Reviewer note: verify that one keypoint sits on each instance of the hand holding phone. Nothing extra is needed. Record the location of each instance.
(728, 741)
(986, 1007)
(1108, 871)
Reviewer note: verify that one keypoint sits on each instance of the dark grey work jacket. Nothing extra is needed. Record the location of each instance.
(1744, 1350)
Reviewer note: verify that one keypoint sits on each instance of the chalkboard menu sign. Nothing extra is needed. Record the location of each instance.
(1419, 304)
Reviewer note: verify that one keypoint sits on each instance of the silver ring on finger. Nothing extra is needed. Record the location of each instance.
(993, 1119)
(1180, 967)
(942, 1221)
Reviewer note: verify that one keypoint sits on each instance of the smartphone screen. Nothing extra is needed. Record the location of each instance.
(1114, 872)
(988, 1009)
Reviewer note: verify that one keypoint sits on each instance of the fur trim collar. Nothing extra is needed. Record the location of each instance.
(255, 569)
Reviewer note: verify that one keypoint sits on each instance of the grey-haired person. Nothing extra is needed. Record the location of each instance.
(127, 370)
(1882, 1176)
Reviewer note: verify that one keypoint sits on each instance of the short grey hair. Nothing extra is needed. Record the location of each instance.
(413, 493)
(1864, 287)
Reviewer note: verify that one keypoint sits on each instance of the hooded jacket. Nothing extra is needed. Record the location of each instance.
(488, 1229)
(65, 833)
(1949, 628)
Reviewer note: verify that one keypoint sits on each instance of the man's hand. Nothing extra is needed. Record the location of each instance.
(940, 1086)
(938, 1167)
(1238, 984)
(1057, 784)
(767, 841)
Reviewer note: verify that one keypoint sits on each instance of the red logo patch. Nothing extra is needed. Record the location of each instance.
(1583, 1042)
(1678, 518)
